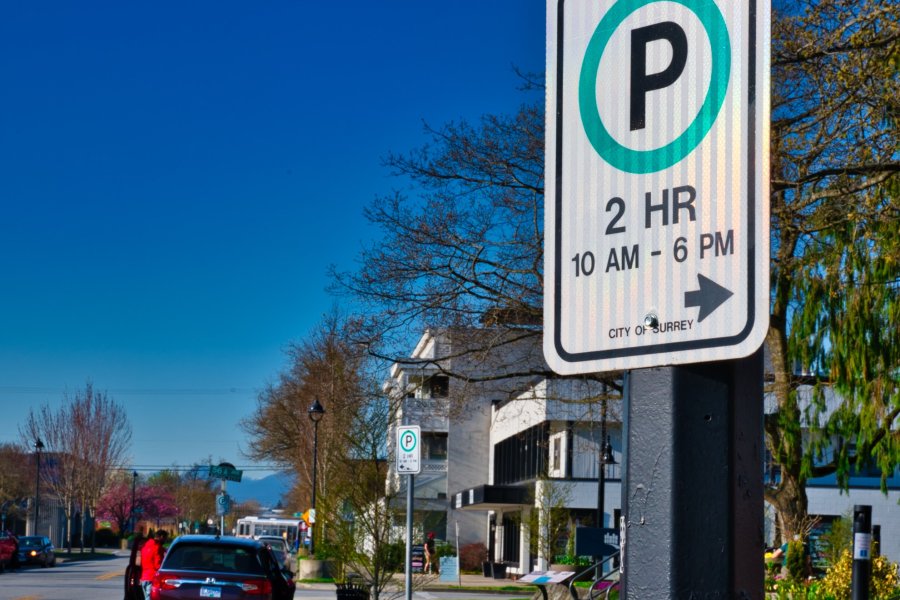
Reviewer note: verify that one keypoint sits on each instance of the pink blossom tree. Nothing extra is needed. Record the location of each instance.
(152, 502)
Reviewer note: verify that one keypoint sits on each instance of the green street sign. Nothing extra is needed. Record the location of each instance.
(226, 472)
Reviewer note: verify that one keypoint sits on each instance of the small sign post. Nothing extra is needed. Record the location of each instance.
(224, 471)
(409, 451)
(223, 504)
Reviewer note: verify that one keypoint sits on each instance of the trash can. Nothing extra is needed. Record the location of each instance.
(352, 591)
(499, 570)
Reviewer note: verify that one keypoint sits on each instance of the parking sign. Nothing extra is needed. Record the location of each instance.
(656, 228)
(409, 450)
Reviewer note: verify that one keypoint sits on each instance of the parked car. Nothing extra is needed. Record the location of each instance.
(279, 547)
(36, 550)
(206, 566)
(8, 546)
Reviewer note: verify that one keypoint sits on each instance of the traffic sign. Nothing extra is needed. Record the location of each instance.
(409, 450)
(225, 471)
(656, 225)
(223, 504)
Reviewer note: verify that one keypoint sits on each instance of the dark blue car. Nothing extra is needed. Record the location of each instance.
(36, 550)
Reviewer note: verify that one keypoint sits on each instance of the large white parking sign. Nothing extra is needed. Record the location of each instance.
(656, 237)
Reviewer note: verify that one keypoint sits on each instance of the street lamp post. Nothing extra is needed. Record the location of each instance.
(38, 446)
(315, 412)
(604, 457)
(134, 477)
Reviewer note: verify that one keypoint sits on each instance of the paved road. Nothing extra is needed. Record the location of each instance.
(326, 592)
(72, 580)
(102, 580)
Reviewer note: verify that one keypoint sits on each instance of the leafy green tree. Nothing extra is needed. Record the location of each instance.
(835, 225)
(550, 522)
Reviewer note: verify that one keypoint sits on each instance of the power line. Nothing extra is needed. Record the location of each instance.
(11, 389)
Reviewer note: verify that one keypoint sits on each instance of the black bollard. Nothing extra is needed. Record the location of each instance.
(862, 552)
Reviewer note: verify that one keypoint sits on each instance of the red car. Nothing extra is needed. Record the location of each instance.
(205, 566)
(8, 549)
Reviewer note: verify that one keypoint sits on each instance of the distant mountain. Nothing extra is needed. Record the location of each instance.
(267, 491)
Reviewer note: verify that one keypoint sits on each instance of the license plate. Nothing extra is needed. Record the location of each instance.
(210, 592)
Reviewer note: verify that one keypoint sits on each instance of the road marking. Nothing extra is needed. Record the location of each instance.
(28, 598)
(108, 576)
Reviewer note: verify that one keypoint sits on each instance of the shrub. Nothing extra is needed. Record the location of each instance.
(884, 582)
(106, 538)
(795, 561)
(471, 556)
(395, 556)
(444, 549)
(838, 538)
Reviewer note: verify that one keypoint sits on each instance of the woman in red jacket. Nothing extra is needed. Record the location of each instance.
(151, 559)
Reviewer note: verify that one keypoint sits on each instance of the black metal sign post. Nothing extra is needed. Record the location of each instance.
(862, 552)
(693, 493)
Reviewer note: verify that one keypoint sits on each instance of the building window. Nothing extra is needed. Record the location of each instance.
(438, 386)
(522, 457)
(434, 446)
(557, 453)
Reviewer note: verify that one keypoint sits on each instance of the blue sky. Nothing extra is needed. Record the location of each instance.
(176, 177)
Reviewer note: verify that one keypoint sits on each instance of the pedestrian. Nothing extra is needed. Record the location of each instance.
(151, 558)
(133, 589)
(15, 556)
(429, 552)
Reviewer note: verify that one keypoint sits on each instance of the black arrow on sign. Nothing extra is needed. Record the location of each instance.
(709, 297)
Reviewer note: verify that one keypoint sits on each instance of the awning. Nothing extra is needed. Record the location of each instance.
(493, 497)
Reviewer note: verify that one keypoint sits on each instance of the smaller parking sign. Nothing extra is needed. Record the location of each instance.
(409, 450)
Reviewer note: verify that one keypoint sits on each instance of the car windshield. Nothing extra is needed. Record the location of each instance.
(213, 557)
(29, 542)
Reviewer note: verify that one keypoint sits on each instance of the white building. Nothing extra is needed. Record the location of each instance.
(545, 450)
(502, 443)
(493, 446)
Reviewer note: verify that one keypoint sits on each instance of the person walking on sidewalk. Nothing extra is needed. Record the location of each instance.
(429, 552)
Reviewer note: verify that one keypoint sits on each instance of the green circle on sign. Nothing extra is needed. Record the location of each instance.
(408, 445)
(650, 161)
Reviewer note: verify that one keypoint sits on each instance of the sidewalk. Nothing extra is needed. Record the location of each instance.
(433, 583)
